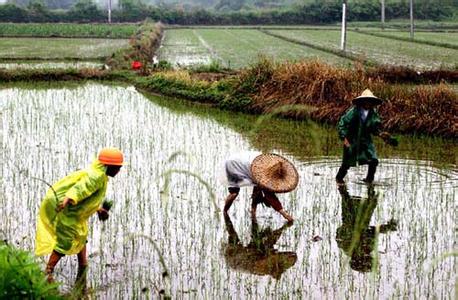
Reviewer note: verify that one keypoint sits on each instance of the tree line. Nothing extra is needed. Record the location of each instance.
(317, 12)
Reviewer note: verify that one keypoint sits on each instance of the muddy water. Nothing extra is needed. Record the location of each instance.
(409, 223)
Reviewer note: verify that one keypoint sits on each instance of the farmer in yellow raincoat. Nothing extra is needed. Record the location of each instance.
(62, 222)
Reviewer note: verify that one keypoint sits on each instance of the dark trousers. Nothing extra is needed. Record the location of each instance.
(263, 196)
(370, 171)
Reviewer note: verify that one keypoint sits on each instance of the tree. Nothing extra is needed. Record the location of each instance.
(85, 11)
(230, 4)
(37, 11)
(133, 10)
(12, 13)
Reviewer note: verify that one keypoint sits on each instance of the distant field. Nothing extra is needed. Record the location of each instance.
(450, 37)
(379, 49)
(419, 24)
(233, 48)
(59, 48)
(68, 30)
(182, 47)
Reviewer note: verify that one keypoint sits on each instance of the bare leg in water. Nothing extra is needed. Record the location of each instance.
(54, 258)
(270, 200)
(80, 282)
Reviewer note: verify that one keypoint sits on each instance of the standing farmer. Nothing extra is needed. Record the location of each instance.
(356, 128)
(62, 222)
(267, 173)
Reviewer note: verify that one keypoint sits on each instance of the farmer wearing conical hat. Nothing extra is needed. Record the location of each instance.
(62, 222)
(356, 128)
(267, 173)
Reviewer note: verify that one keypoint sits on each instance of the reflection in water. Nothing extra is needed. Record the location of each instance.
(355, 237)
(259, 257)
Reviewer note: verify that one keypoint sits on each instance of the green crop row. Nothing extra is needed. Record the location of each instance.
(68, 30)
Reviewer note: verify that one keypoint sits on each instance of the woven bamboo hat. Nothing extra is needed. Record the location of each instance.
(274, 173)
(367, 96)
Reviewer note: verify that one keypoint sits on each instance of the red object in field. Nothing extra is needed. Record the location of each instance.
(136, 65)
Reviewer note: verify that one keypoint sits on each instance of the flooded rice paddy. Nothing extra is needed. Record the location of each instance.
(172, 238)
(233, 48)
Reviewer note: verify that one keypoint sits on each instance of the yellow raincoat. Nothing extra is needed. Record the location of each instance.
(66, 231)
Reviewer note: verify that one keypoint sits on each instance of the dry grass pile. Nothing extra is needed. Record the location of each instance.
(430, 109)
(402, 74)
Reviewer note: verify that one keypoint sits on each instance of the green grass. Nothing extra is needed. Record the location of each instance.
(236, 48)
(379, 49)
(21, 276)
(58, 48)
(68, 30)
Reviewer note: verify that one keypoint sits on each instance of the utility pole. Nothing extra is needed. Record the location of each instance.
(383, 14)
(109, 11)
(343, 40)
(411, 19)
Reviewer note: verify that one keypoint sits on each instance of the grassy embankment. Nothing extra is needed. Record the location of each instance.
(308, 89)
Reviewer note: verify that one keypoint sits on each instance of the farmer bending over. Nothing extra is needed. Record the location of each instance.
(267, 173)
(62, 222)
(356, 128)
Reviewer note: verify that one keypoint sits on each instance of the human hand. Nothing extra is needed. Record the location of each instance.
(64, 204)
(102, 214)
(346, 143)
(389, 139)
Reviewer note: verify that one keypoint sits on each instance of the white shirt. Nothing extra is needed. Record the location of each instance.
(238, 168)
(364, 113)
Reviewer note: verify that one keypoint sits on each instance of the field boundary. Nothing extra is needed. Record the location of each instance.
(443, 45)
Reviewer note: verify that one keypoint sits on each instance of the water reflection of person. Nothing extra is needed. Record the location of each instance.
(355, 237)
(259, 257)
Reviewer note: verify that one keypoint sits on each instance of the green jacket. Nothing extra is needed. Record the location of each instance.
(359, 134)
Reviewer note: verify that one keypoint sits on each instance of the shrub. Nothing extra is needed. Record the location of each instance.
(21, 276)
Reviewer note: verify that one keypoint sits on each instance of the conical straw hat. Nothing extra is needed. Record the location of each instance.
(368, 96)
(274, 173)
